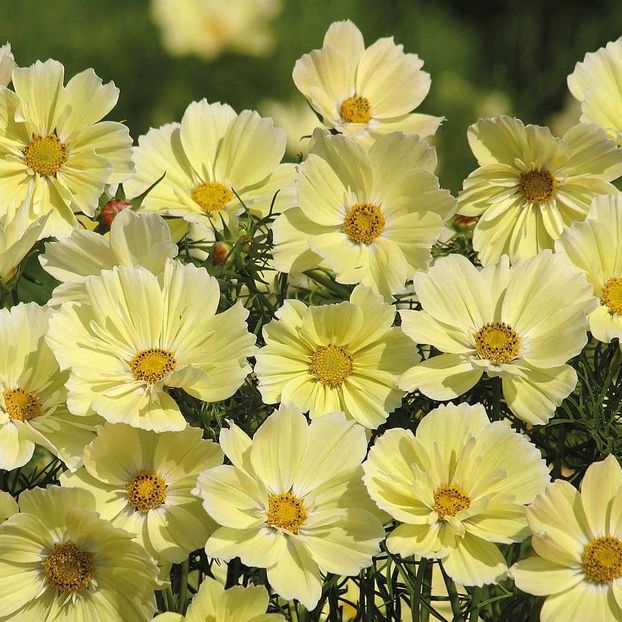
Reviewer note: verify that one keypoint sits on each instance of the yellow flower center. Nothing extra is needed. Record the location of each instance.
(449, 500)
(146, 491)
(497, 342)
(21, 405)
(355, 109)
(211, 196)
(45, 155)
(152, 365)
(602, 559)
(331, 365)
(612, 295)
(286, 511)
(69, 569)
(364, 223)
(537, 186)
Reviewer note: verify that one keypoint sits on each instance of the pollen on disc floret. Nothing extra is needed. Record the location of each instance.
(45, 155)
(497, 342)
(146, 491)
(331, 364)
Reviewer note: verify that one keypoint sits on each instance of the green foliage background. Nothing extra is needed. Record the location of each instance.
(485, 57)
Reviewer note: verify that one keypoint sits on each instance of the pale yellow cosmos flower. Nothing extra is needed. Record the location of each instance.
(293, 502)
(596, 83)
(458, 488)
(365, 92)
(206, 160)
(60, 561)
(530, 185)
(207, 28)
(140, 334)
(521, 324)
(370, 216)
(54, 143)
(578, 544)
(33, 409)
(343, 357)
(146, 490)
(594, 247)
(134, 240)
(215, 604)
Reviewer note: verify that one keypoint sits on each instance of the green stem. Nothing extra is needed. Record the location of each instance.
(426, 592)
(183, 586)
(496, 399)
(168, 599)
(475, 600)
(452, 592)
(416, 605)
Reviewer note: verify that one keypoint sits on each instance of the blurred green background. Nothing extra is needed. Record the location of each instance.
(485, 57)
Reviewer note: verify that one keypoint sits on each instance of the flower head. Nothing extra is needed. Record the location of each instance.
(457, 487)
(369, 216)
(365, 92)
(146, 489)
(520, 323)
(343, 357)
(210, 157)
(595, 83)
(207, 28)
(293, 501)
(237, 604)
(134, 240)
(54, 144)
(593, 246)
(530, 185)
(137, 334)
(33, 396)
(60, 560)
(578, 544)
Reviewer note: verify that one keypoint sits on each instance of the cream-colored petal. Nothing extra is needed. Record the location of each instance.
(296, 575)
(584, 603)
(541, 577)
(475, 562)
(382, 71)
(231, 497)
(279, 446)
(534, 397)
(442, 377)
(85, 101)
(601, 484)
(261, 546)
(250, 151)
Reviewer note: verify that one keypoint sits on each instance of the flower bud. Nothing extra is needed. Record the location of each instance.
(220, 253)
(112, 208)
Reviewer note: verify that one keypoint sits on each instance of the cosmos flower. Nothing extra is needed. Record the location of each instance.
(530, 185)
(60, 561)
(293, 502)
(458, 488)
(54, 144)
(343, 357)
(365, 92)
(369, 216)
(206, 160)
(140, 334)
(521, 324)
(578, 544)
(596, 84)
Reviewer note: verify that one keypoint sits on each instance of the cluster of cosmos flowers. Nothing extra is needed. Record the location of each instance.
(325, 482)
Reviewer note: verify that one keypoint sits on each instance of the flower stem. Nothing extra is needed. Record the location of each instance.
(183, 586)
